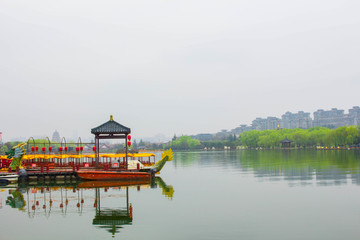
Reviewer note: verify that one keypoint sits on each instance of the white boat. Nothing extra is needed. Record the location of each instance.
(9, 177)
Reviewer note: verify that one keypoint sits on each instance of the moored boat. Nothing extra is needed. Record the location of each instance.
(142, 173)
(8, 178)
(112, 175)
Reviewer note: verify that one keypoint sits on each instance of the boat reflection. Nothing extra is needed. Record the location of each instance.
(109, 200)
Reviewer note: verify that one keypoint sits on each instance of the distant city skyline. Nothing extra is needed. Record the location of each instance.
(332, 118)
(303, 120)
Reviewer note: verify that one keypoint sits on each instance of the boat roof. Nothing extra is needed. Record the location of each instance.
(62, 156)
(111, 127)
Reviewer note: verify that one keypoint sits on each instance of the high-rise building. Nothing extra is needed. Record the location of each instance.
(265, 123)
(333, 118)
(296, 120)
(354, 116)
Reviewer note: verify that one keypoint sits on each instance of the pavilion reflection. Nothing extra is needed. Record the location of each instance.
(112, 219)
(109, 200)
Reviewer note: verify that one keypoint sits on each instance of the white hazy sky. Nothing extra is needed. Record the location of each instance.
(182, 67)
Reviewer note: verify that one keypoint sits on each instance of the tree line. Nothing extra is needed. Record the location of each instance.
(317, 136)
(301, 138)
(188, 143)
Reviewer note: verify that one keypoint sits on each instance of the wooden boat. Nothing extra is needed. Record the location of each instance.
(144, 173)
(112, 175)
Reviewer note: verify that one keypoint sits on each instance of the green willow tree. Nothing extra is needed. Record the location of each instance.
(184, 143)
(343, 136)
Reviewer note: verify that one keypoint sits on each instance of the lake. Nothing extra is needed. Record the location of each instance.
(245, 194)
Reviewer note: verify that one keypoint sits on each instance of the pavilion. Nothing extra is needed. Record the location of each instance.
(286, 143)
(110, 130)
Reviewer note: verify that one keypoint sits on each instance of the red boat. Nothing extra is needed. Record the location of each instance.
(113, 175)
(140, 174)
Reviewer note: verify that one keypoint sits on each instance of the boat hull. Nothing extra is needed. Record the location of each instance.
(9, 178)
(113, 183)
(113, 175)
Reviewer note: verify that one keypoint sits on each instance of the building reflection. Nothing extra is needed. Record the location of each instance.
(109, 200)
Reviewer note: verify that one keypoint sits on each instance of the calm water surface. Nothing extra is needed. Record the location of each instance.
(200, 195)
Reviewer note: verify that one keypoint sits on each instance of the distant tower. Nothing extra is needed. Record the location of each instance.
(55, 137)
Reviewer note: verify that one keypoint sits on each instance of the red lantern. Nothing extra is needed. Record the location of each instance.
(50, 149)
(66, 148)
(77, 149)
(81, 148)
(43, 149)
(37, 148)
(94, 149)
(60, 149)
(32, 149)
(129, 137)
(129, 143)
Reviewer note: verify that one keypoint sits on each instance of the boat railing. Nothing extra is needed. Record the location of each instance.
(46, 162)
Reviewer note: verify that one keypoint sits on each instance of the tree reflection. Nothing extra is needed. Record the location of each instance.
(327, 167)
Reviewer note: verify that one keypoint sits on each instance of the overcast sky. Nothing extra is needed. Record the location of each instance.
(172, 67)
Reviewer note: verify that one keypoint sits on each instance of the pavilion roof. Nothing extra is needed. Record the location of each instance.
(286, 141)
(110, 127)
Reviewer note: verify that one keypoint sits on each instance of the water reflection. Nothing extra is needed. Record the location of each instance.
(112, 218)
(108, 200)
(302, 167)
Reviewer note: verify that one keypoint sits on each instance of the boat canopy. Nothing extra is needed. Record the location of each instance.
(63, 156)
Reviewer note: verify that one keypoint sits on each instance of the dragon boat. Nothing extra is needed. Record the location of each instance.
(16, 154)
(137, 174)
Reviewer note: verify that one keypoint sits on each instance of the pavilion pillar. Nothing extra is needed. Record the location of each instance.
(126, 152)
(97, 150)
